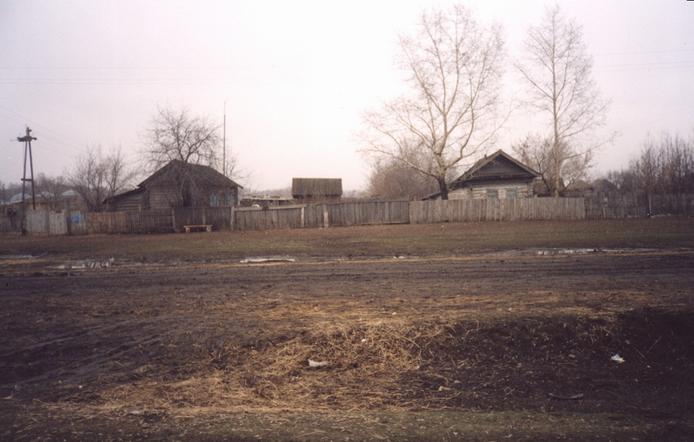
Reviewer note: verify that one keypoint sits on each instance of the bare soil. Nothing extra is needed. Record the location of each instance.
(444, 337)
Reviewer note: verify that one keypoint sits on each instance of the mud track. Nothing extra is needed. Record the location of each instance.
(502, 332)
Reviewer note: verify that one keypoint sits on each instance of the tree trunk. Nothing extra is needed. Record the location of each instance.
(557, 183)
(443, 187)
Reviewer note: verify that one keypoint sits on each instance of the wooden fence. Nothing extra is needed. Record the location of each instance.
(146, 221)
(368, 212)
(218, 217)
(349, 214)
(322, 215)
(422, 212)
(638, 205)
(281, 217)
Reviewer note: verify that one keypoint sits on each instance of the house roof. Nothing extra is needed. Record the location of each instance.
(303, 187)
(164, 176)
(483, 169)
(40, 196)
(199, 172)
(604, 185)
(582, 187)
(122, 195)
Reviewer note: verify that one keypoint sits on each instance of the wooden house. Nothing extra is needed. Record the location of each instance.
(179, 184)
(497, 176)
(598, 188)
(311, 190)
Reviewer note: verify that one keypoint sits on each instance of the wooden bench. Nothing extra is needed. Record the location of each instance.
(201, 227)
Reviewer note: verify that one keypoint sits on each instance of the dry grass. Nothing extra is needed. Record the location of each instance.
(434, 364)
(418, 240)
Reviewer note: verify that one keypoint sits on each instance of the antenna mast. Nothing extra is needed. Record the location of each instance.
(224, 141)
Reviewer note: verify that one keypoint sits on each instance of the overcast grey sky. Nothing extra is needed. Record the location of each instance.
(296, 75)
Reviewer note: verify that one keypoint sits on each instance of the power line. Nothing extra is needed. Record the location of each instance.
(666, 51)
(49, 132)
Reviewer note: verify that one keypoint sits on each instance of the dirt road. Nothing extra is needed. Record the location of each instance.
(445, 347)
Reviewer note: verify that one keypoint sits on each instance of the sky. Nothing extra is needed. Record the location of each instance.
(297, 76)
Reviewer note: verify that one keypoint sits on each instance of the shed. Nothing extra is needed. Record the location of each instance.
(317, 189)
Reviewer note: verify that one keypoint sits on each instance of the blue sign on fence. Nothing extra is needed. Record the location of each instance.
(76, 218)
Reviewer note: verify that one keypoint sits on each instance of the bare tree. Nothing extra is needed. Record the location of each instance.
(176, 135)
(454, 70)
(4, 193)
(392, 179)
(181, 139)
(625, 180)
(558, 72)
(537, 152)
(51, 189)
(664, 166)
(677, 164)
(233, 168)
(646, 170)
(96, 177)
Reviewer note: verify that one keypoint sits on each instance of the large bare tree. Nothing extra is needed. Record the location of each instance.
(96, 177)
(177, 135)
(539, 153)
(392, 179)
(51, 189)
(450, 113)
(4, 193)
(558, 73)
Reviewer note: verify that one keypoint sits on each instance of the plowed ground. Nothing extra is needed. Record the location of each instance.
(495, 344)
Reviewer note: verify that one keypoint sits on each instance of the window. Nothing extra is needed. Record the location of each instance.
(214, 199)
(492, 194)
(511, 193)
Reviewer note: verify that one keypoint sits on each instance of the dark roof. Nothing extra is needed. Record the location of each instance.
(580, 185)
(604, 185)
(304, 187)
(198, 172)
(484, 169)
(584, 188)
(164, 176)
(122, 195)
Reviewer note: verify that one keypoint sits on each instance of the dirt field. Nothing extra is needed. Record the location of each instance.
(494, 331)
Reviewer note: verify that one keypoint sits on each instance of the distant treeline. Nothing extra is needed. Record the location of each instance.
(664, 166)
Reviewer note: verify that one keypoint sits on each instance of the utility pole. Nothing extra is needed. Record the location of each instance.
(224, 142)
(27, 139)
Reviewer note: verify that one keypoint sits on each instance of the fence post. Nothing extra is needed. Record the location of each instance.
(302, 216)
(47, 219)
(68, 221)
(326, 221)
(173, 219)
(232, 218)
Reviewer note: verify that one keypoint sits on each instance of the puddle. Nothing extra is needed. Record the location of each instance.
(553, 252)
(8, 257)
(86, 264)
(266, 259)
(585, 251)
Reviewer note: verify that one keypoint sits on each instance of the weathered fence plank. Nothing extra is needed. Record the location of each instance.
(318, 215)
(350, 214)
(441, 211)
(218, 217)
(607, 206)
